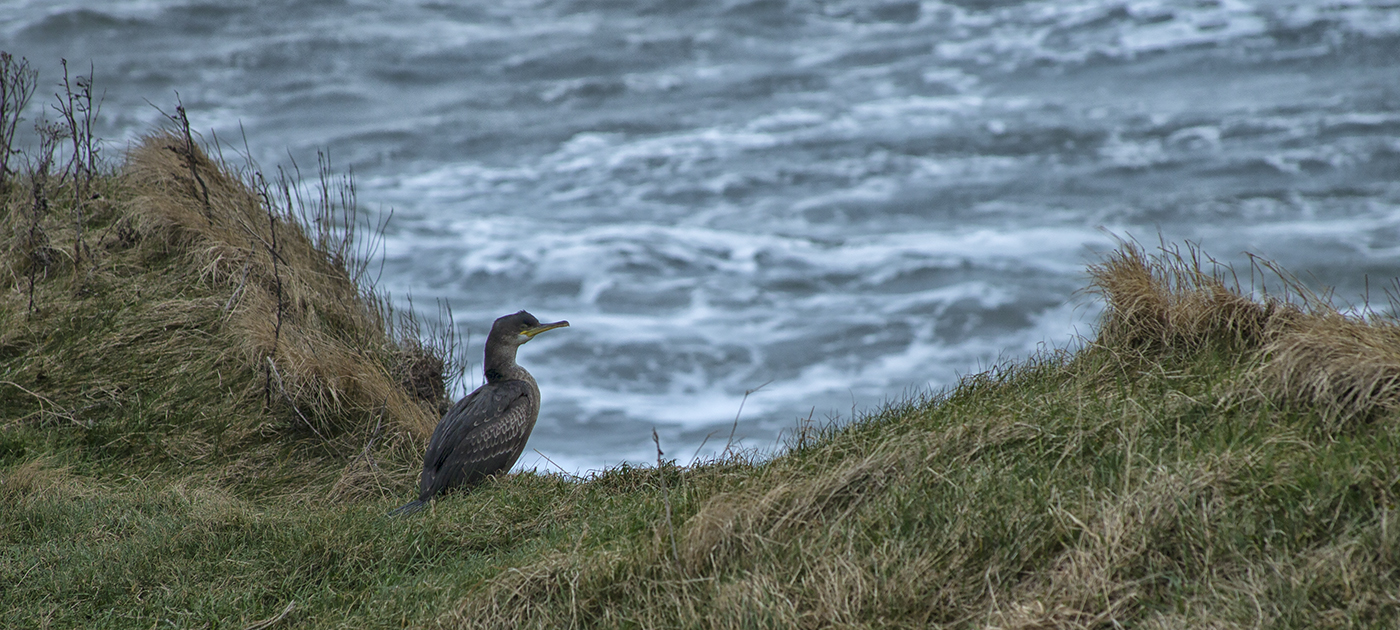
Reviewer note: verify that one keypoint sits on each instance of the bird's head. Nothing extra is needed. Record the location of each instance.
(521, 327)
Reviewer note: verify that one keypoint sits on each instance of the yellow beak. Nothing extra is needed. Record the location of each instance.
(531, 332)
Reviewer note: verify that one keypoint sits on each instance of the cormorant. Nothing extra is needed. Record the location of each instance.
(485, 432)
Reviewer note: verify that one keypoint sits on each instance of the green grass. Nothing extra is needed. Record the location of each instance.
(142, 553)
(1206, 461)
(1070, 491)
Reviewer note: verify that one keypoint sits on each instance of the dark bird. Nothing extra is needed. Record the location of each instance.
(485, 432)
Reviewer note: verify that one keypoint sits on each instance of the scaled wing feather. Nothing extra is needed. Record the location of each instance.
(478, 435)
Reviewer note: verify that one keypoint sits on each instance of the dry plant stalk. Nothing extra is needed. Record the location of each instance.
(665, 498)
(78, 111)
(36, 245)
(17, 83)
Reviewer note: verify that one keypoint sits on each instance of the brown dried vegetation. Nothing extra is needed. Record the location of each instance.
(203, 328)
(1304, 353)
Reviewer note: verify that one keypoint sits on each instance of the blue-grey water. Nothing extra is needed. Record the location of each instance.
(846, 201)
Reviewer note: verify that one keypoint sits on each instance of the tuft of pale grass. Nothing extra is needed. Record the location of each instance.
(1346, 368)
(732, 527)
(1304, 352)
(1101, 581)
(1171, 300)
(37, 479)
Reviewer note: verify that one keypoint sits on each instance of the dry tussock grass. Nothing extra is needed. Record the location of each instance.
(1346, 368)
(1170, 301)
(289, 300)
(35, 480)
(1303, 353)
(194, 318)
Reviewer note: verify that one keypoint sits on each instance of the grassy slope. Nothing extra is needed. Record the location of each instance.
(191, 326)
(1207, 461)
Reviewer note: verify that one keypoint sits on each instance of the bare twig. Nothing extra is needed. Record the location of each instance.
(730, 444)
(76, 108)
(241, 283)
(276, 271)
(247, 227)
(182, 121)
(374, 437)
(443, 341)
(376, 242)
(272, 621)
(666, 498)
(561, 468)
(39, 252)
(17, 83)
(292, 403)
(62, 412)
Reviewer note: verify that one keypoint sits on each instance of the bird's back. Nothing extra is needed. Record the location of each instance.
(483, 434)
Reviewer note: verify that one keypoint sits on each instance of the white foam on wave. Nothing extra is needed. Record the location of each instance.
(452, 182)
(823, 389)
(518, 247)
(589, 162)
(1369, 18)
(21, 12)
(1368, 236)
(1191, 26)
(787, 120)
(1072, 32)
(421, 31)
(938, 364)
(714, 326)
(1263, 135)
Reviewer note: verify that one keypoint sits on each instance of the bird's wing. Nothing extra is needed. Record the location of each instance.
(479, 434)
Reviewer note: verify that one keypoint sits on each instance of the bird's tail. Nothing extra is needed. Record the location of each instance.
(409, 508)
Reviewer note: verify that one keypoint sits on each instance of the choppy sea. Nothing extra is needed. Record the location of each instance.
(841, 202)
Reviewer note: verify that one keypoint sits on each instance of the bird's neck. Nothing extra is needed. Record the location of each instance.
(501, 365)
